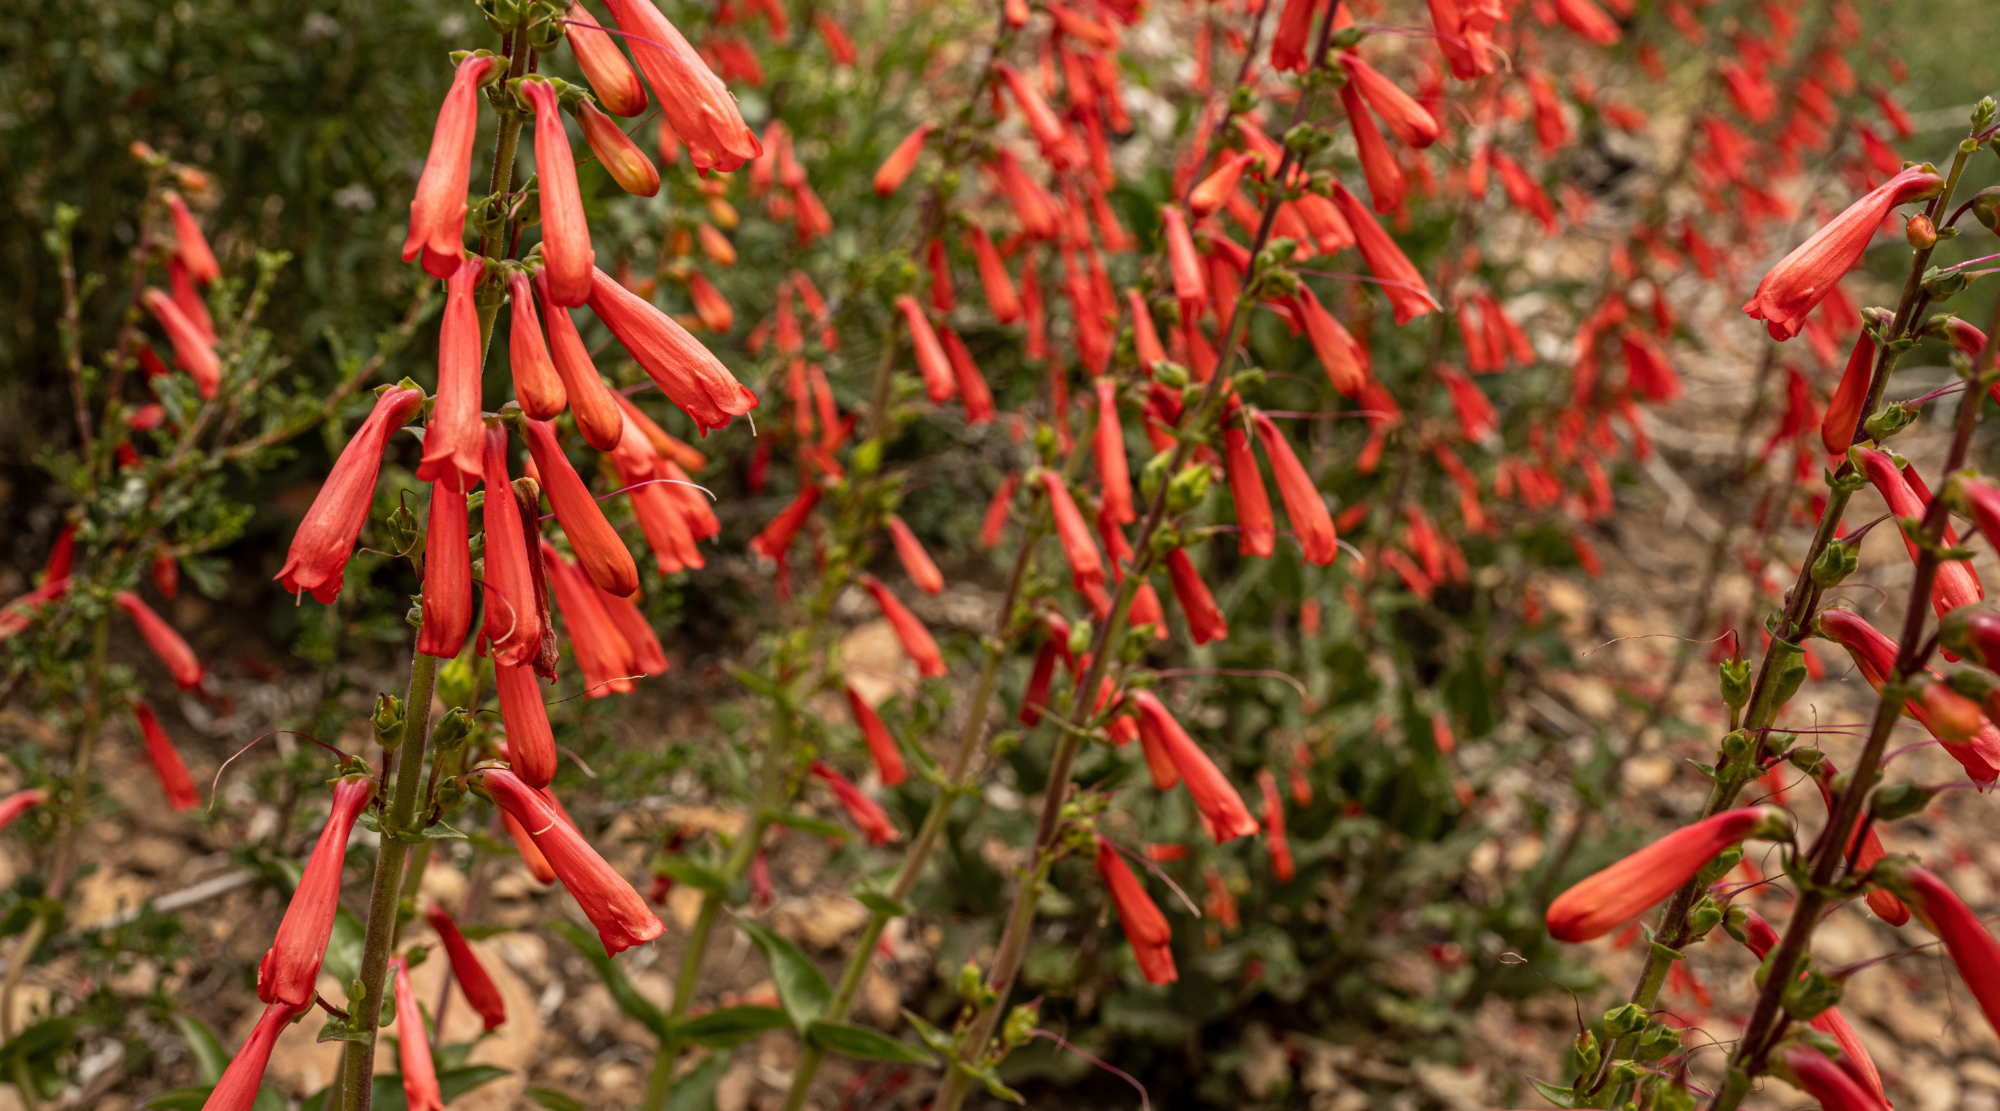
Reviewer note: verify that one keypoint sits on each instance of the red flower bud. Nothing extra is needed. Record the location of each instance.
(973, 391)
(1145, 338)
(536, 384)
(166, 644)
(603, 65)
(1843, 410)
(166, 759)
(881, 745)
(190, 246)
(598, 548)
(1797, 284)
(1189, 285)
(1833, 1084)
(1760, 938)
(896, 168)
(472, 977)
(1204, 618)
(916, 640)
(413, 1047)
(864, 812)
(437, 212)
(19, 803)
(598, 645)
(1086, 567)
(325, 539)
(1109, 446)
(1145, 927)
(455, 438)
(447, 575)
(1588, 21)
(1409, 120)
(238, 1088)
(1612, 897)
(291, 966)
(939, 381)
(777, 536)
(1345, 363)
(1310, 520)
(997, 509)
(191, 351)
(590, 400)
(1378, 164)
(685, 371)
(1401, 283)
(1215, 189)
(1001, 298)
(513, 627)
(1282, 867)
(1221, 807)
(916, 562)
(695, 100)
(610, 903)
(566, 251)
(1256, 534)
(188, 299)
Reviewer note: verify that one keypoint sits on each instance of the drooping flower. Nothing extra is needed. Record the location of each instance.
(531, 857)
(1257, 535)
(1109, 446)
(166, 644)
(1378, 164)
(997, 510)
(1204, 617)
(940, 384)
(291, 966)
(777, 536)
(1409, 120)
(603, 64)
(1345, 363)
(1215, 189)
(597, 644)
(537, 386)
(1843, 410)
(1408, 296)
(685, 371)
(1647, 371)
(1222, 808)
(648, 658)
(910, 632)
(190, 246)
(472, 977)
(924, 574)
(1001, 297)
(1954, 584)
(191, 351)
(589, 399)
(1831, 1083)
(188, 299)
(566, 252)
(1058, 146)
(1760, 939)
(881, 744)
(1086, 567)
(838, 43)
(1616, 895)
(325, 540)
(455, 438)
(695, 100)
(19, 803)
(513, 626)
(1189, 285)
(1864, 848)
(610, 903)
(599, 550)
(447, 575)
(1055, 646)
(1589, 21)
(1875, 655)
(166, 759)
(531, 744)
(1145, 337)
(1282, 866)
(896, 168)
(1465, 34)
(1965, 936)
(238, 1087)
(973, 391)
(1310, 521)
(864, 812)
(617, 153)
(413, 1047)
(1797, 284)
(1145, 927)
(1290, 42)
(710, 307)
(437, 212)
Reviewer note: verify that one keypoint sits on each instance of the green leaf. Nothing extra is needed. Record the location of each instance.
(442, 832)
(343, 947)
(730, 1026)
(181, 1099)
(269, 1098)
(623, 993)
(696, 1090)
(1561, 1097)
(694, 875)
(801, 988)
(554, 1100)
(869, 1045)
(338, 1029)
(990, 1078)
(932, 1036)
(882, 904)
(43, 1039)
(454, 1083)
(209, 1056)
(817, 826)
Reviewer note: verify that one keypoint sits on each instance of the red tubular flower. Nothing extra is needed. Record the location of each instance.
(695, 100)
(1524, 192)
(437, 212)
(566, 251)
(917, 564)
(610, 903)
(1310, 520)
(163, 640)
(1760, 938)
(1215, 189)
(188, 299)
(603, 64)
(777, 536)
(1035, 697)
(647, 657)
(943, 297)
(413, 1047)
(190, 246)
(972, 387)
(1086, 567)
(1843, 410)
(1282, 867)
(174, 780)
(531, 857)
(1401, 283)
(709, 305)
(939, 382)
(1109, 445)
(1000, 295)
(881, 745)
(1221, 807)
(1153, 746)
(1475, 412)
(1289, 43)
(1345, 363)
(513, 627)
(1832, 1084)
(896, 168)
(455, 438)
(1465, 34)
(1795, 286)
(1057, 145)
(598, 548)
(447, 576)
(1954, 585)
(599, 646)
(1885, 905)
(19, 803)
(1256, 533)
(916, 640)
(685, 371)
(325, 539)
(1385, 178)
(291, 966)
(531, 745)
(1875, 655)
(1189, 285)
(1145, 337)
(191, 351)
(1410, 122)
(1145, 927)
(589, 399)
(837, 41)
(864, 812)
(995, 521)
(1204, 618)
(237, 1089)
(472, 977)
(1610, 898)
(620, 156)
(1965, 937)
(1588, 21)
(537, 386)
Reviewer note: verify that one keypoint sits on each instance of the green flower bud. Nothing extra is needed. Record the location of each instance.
(388, 720)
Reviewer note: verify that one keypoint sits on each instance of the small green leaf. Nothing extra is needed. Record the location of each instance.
(181, 1099)
(801, 988)
(209, 1056)
(990, 1078)
(623, 993)
(932, 1036)
(554, 1100)
(442, 832)
(339, 1029)
(454, 1083)
(882, 904)
(869, 1045)
(696, 1090)
(694, 875)
(819, 827)
(1561, 1097)
(730, 1026)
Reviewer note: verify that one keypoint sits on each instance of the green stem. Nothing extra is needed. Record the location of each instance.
(358, 1063)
